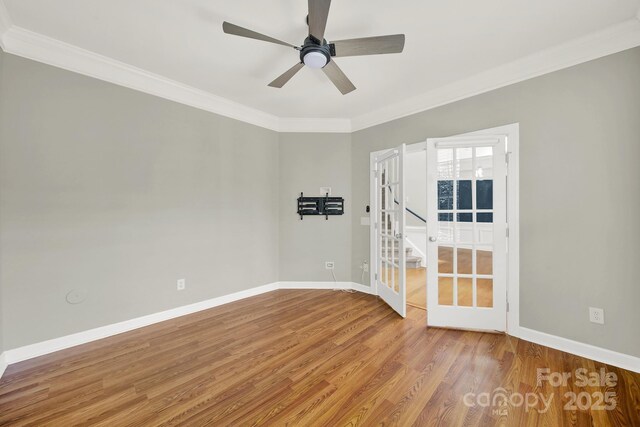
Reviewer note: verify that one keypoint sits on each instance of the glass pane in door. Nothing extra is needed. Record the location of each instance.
(389, 232)
(465, 226)
(389, 203)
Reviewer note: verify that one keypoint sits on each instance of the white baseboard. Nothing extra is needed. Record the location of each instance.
(38, 349)
(3, 364)
(362, 288)
(598, 354)
(314, 285)
(45, 347)
(325, 285)
(417, 250)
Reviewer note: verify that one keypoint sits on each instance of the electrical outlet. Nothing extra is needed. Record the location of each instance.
(329, 265)
(596, 315)
(182, 284)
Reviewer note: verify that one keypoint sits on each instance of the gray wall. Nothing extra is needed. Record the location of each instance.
(118, 193)
(579, 191)
(308, 162)
(415, 168)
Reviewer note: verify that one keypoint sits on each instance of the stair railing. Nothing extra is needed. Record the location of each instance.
(407, 209)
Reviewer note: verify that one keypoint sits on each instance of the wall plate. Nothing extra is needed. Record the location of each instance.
(76, 296)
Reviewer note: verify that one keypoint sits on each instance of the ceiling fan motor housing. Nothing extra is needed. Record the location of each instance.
(316, 51)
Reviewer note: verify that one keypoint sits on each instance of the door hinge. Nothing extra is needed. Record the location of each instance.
(507, 231)
(507, 156)
(375, 276)
(507, 306)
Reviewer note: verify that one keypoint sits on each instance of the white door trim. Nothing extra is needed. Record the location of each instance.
(373, 245)
(512, 132)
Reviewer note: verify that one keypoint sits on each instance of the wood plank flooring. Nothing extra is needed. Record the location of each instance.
(417, 287)
(302, 357)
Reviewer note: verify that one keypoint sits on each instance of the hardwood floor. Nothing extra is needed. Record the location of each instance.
(417, 287)
(302, 357)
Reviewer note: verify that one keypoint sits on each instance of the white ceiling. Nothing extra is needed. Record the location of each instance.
(446, 41)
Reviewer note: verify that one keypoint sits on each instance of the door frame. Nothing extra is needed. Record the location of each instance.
(512, 132)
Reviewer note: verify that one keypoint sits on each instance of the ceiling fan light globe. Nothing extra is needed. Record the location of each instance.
(315, 60)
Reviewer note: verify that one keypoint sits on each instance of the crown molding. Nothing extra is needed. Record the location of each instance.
(38, 47)
(611, 40)
(25, 43)
(315, 125)
(35, 46)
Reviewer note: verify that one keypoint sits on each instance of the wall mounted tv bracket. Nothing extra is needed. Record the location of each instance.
(323, 205)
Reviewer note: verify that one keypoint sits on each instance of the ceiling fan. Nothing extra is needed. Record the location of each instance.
(316, 52)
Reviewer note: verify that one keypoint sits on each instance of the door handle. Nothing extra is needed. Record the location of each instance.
(433, 239)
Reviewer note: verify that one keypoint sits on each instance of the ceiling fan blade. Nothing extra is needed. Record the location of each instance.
(286, 76)
(318, 14)
(235, 30)
(338, 78)
(370, 45)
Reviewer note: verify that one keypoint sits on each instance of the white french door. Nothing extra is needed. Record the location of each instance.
(389, 209)
(466, 220)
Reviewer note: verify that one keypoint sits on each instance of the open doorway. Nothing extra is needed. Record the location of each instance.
(416, 229)
(449, 229)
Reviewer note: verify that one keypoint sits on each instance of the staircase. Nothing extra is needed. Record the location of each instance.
(412, 261)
